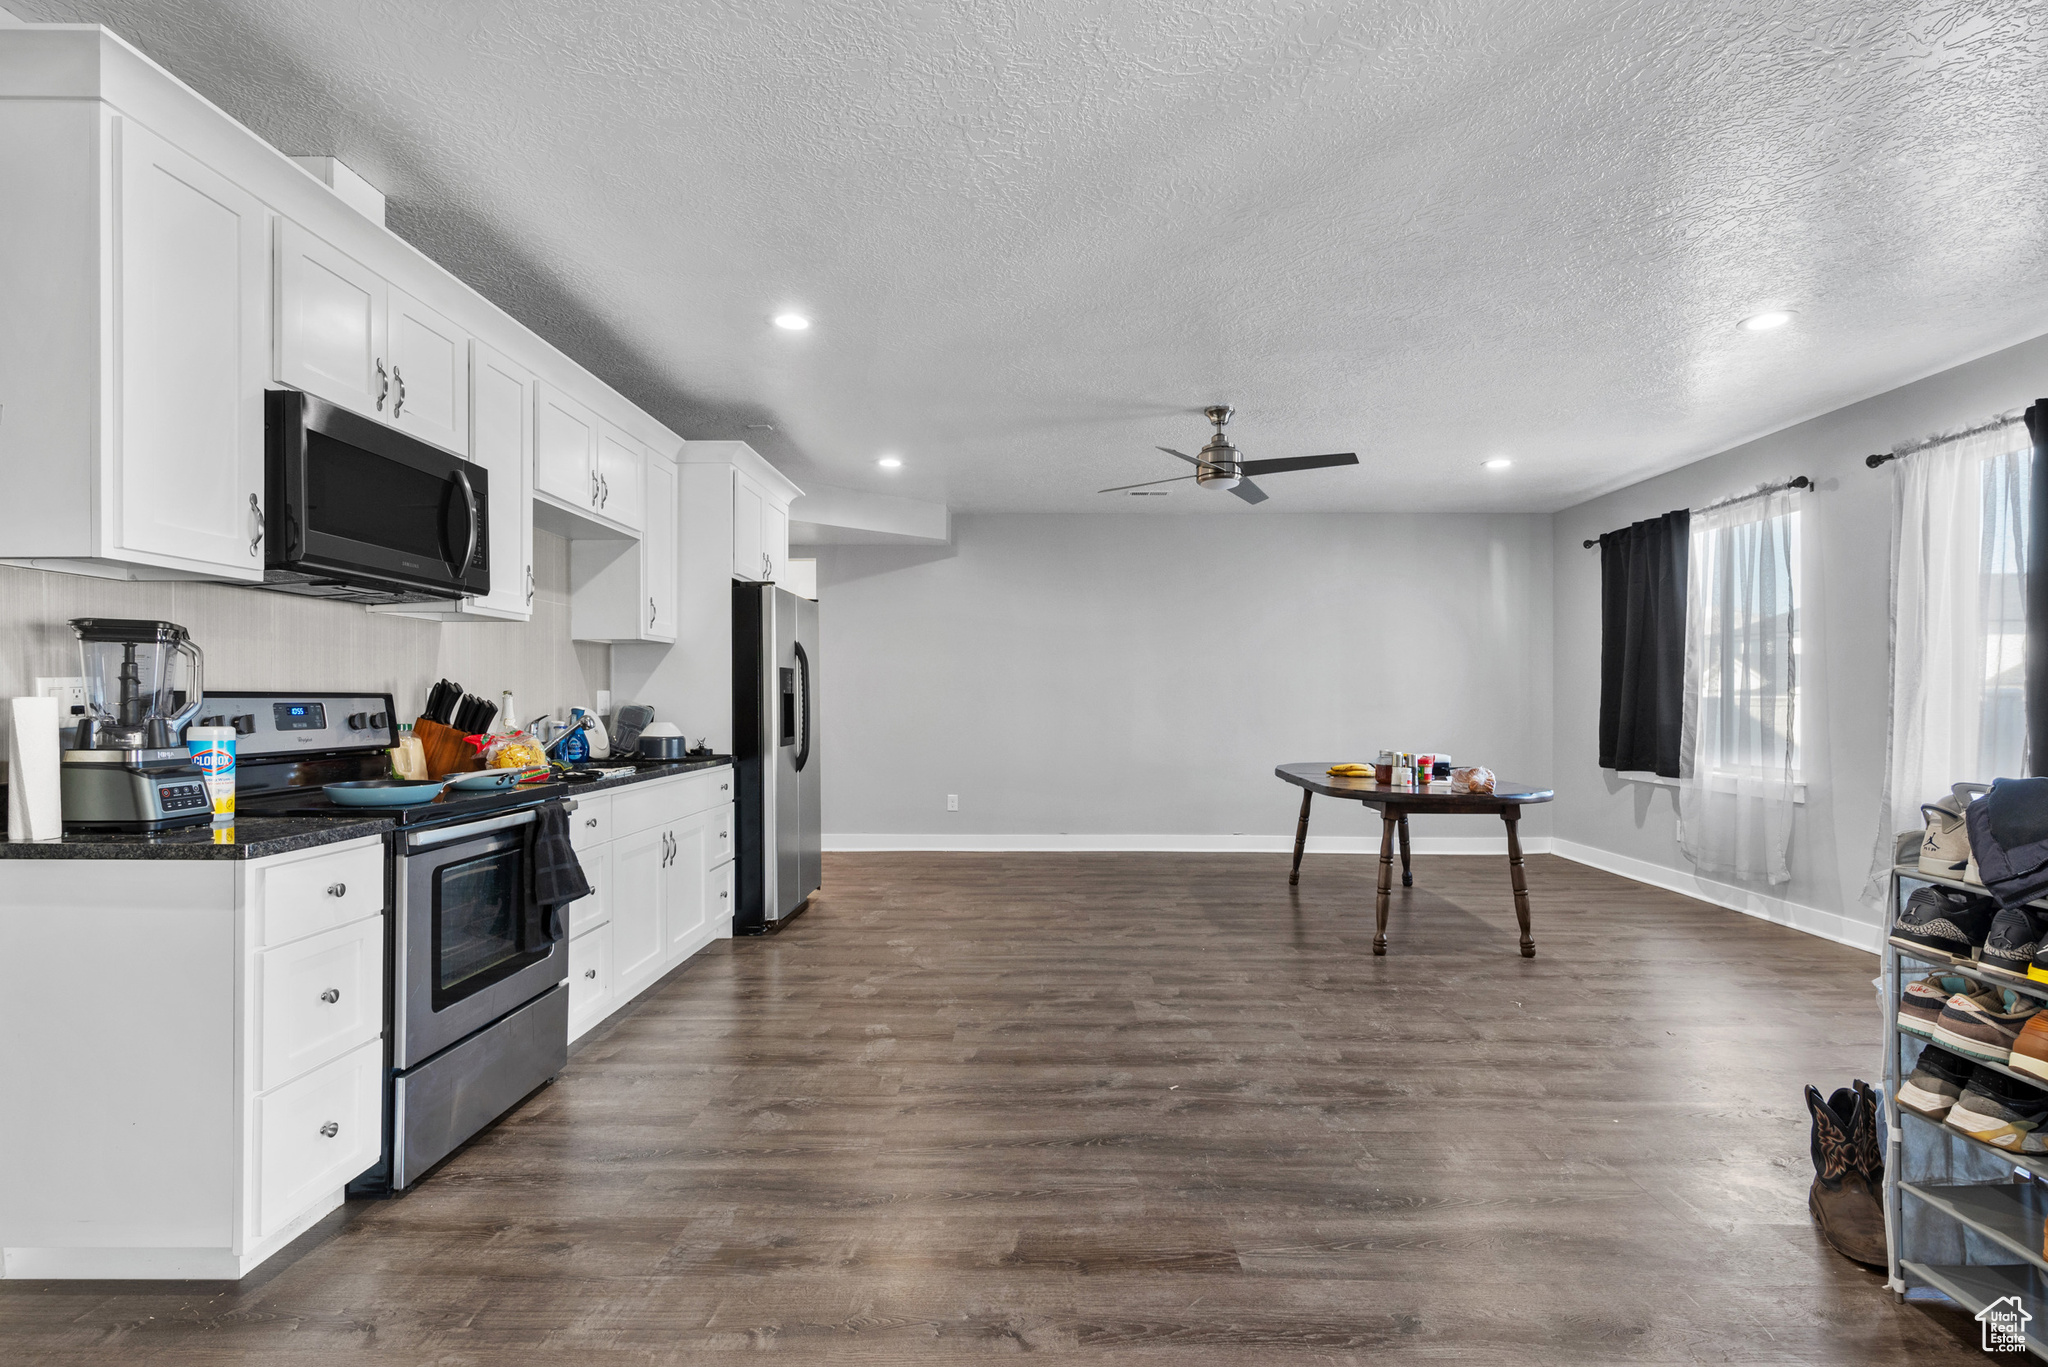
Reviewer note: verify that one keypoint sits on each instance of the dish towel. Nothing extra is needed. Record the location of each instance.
(2009, 837)
(557, 873)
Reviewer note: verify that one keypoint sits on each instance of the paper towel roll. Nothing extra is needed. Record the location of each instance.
(35, 802)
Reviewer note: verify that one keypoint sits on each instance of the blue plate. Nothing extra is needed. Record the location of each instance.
(384, 792)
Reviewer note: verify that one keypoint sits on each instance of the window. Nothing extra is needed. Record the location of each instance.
(1741, 732)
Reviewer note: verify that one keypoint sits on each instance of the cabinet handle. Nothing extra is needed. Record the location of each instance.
(590, 973)
(725, 787)
(330, 1129)
(605, 490)
(590, 821)
(724, 894)
(767, 566)
(383, 384)
(398, 404)
(331, 995)
(725, 835)
(650, 614)
(337, 890)
(593, 488)
(529, 586)
(256, 516)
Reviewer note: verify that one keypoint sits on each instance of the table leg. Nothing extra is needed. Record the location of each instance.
(1300, 837)
(1511, 817)
(1388, 821)
(1407, 878)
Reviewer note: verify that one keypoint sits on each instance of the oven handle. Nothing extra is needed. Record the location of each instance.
(469, 830)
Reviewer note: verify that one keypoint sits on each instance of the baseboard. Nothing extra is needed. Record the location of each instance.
(1173, 844)
(1827, 925)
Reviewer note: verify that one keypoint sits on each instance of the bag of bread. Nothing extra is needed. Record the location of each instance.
(1473, 780)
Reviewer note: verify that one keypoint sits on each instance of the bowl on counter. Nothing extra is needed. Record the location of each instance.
(663, 740)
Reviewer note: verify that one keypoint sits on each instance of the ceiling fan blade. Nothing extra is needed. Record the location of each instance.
(1146, 485)
(1183, 455)
(1249, 492)
(1274, 467)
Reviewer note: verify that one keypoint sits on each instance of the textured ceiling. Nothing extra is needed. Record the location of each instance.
(1038, 236)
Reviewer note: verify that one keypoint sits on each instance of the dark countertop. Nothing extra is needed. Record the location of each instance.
(259, 837)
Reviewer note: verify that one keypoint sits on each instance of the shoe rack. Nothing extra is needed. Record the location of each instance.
(1963, 1219)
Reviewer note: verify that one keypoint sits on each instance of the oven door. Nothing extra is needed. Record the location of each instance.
(369, 505)
(470, 944)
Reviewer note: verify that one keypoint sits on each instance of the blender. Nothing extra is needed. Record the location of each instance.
(126, 769)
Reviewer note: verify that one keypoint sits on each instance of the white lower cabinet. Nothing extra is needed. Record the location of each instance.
(314, 1134)
(661, 880)
(205, 1093)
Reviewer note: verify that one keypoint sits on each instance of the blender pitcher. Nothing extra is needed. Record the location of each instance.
(137, 694)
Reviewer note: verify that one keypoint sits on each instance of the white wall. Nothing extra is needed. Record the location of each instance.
(1844, 658)
(261, 640)
(1126, 675)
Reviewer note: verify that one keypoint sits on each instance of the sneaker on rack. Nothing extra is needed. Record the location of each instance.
(1921, 1003)
(1945, 848)
(2030, 1050)
(1945, 920)
(1938, 1079)
(2038, 968)
(1984, 1023)
(2012, 941)
(2003, 1112)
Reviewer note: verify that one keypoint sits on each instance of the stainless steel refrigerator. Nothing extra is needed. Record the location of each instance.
(775, 749)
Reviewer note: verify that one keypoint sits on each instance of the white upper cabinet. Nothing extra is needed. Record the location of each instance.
(750, 560)
(760, 529)
(133, 327)
(190, 320)
(658, 549)
(564, 448)
(346, 335)
(330, 323)
(625, 588)
(619, 463)
(501, 421)
(429, 373)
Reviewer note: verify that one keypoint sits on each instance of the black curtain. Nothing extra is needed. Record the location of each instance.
(1642, 644)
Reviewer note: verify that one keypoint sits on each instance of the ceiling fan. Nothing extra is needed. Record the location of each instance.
(1221, 466)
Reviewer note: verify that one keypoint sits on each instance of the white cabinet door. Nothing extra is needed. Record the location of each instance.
(619, 463)
(658, 549)
(597, 870)
(330, 323)
(590, 977)
(189, 314)
(775, 538)
(500, 418)
(690, 877)
(564, 447)
(639, 888)
(748, 502)
(429, 373)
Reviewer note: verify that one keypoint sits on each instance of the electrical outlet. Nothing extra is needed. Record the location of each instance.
(69, 693)
(952, 802)
(604, 702)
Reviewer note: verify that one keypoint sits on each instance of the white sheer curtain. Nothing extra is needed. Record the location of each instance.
(1959, 624)
(1741, 731)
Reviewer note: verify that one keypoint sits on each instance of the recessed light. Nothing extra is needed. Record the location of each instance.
(1764, 322)
(793, 322)
(890, 462)
(1497, 463)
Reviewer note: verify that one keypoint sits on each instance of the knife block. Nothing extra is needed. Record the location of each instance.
(447, 750)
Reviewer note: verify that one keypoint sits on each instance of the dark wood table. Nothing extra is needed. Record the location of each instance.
(1505, 801)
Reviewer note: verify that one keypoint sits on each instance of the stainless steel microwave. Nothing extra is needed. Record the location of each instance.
(363, 513)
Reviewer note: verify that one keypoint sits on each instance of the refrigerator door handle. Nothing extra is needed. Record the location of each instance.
(803, 690)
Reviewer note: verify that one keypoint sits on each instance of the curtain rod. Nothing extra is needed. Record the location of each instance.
(1796, 482)
(1915, 447)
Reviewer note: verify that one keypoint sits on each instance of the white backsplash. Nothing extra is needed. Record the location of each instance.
(265, 641)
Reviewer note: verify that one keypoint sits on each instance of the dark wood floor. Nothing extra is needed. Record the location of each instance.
(1130, 1108)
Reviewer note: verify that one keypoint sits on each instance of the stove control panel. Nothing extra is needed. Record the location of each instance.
(268, 724)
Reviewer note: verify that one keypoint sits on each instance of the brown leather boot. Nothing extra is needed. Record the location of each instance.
(1849, 1211)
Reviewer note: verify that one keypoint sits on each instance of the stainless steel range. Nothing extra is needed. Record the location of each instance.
(477, 1002)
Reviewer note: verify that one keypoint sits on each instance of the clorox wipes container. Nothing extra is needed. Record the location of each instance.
(213, 751)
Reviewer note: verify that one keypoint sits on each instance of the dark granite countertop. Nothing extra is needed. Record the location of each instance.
(259, 837)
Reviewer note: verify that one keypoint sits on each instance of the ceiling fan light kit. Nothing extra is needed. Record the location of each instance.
(1222, 466)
